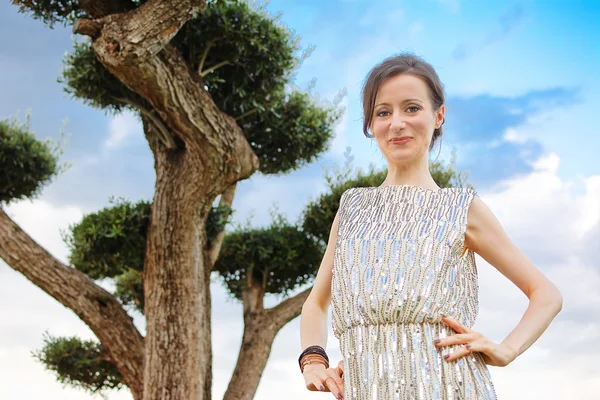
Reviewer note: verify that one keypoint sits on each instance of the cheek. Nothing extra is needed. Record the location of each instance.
(380, 128)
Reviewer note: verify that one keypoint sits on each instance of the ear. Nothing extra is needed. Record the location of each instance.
(439, 115)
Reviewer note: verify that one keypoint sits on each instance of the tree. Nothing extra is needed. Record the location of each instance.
(210, 83)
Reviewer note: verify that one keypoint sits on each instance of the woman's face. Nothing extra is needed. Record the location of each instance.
(403, 109)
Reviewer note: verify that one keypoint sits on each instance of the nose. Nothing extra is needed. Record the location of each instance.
(396, 123)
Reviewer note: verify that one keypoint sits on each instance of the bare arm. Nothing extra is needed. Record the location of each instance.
(486, 237)
(313, 322)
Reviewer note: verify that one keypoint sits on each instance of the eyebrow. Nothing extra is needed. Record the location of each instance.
(404, 101)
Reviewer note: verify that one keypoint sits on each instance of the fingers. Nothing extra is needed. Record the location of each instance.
(318, 384)
(458, 353)
(460, 338)
(340, 369)
(454, 324)
(479, 345)
(334, 383)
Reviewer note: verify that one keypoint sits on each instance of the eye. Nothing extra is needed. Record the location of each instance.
(418, 108)
(379, 114)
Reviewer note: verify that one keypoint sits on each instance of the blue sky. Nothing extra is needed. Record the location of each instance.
(523, 94)
(504, 64)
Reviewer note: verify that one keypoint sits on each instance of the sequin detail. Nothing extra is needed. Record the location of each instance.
(399, 263)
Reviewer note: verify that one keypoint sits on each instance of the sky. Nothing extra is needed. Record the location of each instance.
(523, 90)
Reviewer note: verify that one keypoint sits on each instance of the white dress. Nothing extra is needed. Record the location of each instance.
(399, 264)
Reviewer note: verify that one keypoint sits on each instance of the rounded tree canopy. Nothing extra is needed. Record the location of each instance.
(27, 164)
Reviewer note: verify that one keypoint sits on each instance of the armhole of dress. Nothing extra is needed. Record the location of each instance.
(472, 193)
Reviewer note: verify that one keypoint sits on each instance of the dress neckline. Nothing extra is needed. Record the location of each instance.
(409, 186)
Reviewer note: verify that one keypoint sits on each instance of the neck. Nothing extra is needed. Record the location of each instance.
(416, 174)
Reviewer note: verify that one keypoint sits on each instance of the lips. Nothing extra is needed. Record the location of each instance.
(401, 140)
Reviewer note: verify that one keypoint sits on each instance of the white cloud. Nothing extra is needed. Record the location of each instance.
(44, 222)
(511, 135)
(121, 128)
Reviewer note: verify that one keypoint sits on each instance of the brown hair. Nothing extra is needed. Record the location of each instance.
(404, 63)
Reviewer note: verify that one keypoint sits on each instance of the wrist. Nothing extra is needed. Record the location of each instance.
(313, 355)
(314, 367)
(511, 351)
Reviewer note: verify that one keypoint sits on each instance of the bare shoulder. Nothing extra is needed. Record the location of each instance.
(482, 224)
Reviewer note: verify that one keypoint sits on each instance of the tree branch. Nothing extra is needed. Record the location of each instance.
(253, 297)
(87, 27)
(205, 54)
(288, 309)
(214, 67)
(225, 200)
(96, 307)
(163, 132)
(246, 114)
(143, 32)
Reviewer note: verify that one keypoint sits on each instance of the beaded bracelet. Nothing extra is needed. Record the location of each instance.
(313, 350)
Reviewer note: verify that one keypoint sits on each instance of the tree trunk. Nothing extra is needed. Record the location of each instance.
(176, 285)
(252, 359)
(259, 333)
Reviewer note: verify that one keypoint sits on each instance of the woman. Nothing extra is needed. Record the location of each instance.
(399, 269)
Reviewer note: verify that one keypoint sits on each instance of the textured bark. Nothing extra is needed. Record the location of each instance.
(260, 328)
(259, 333)
(95, 306)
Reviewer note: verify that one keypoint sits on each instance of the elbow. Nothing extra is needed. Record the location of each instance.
(558, 301)
(551, 297)
(554, 299)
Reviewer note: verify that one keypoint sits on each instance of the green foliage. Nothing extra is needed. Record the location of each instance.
(79, 363)
(279, 257)
(111, 241)
(52, 11)
(319, 214)
(27, 164)
(130, 289)
(254, 59)
(216, 221)
(259, 54)
(291, 134)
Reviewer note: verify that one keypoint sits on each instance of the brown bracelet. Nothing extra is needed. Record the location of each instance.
(316, 349)
(312, 359)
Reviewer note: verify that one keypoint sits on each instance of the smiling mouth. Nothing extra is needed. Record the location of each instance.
(400, 140)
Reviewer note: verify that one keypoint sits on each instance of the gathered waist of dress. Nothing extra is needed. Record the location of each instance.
(392, 337)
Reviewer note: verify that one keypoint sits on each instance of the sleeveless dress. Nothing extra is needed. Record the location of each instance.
(399, 264)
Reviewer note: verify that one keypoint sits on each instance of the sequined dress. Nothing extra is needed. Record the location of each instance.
(398, 264)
